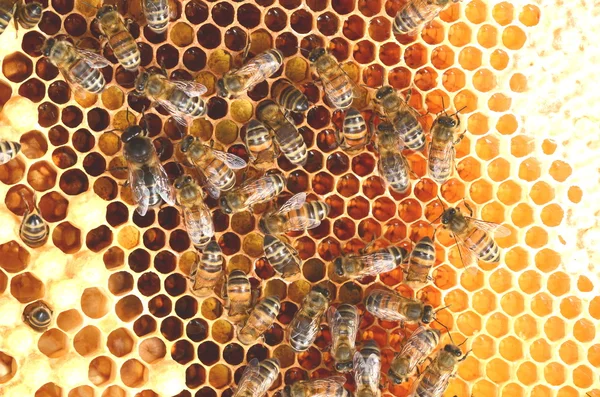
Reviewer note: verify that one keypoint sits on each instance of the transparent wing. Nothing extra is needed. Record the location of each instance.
(4, 158)
(307, 327)
(490, 227)
(467, 256)
(294, 203)
(95, 60)
(334, 319)
(442, 384)
(231, 160)
(198, 224)
(373, 371)
(360, 368)
(258, 195)
(302, 223)
(248, 379)
(448, 158)
(191, 88)
(324, 385)
(141, 194)
(178, 116)
(251, 74)
(165, 190)
(377, 262)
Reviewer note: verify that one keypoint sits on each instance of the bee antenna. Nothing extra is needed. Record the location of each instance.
(443, 107)
(441, 202)
(445, 307)
(463, 342)
(90, 4)
(303, 49)
(443, 325)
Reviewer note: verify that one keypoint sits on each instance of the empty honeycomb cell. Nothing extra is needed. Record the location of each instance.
(25, 287)
(14, 257)
(120, 283)
(134, 373)
(53, 343)
(114, 257)
(129, 308)
(69, 320)
(527, 373)
(17, 67)
(160, 305)
(33, 89)
(101, 370)
(94, 303)
(87, 341)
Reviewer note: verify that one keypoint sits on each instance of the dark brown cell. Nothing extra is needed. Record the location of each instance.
(287, 43)
(94, 164)
(153, 37)
(208, 353)
(63, 6)
(83, 141)
(358, 208)
(209, 36)
(99, 238)
(217, 108)
(369, 230)
(229, 243)
(328, 23)
(314, 162)
(168, 218)
(120, 283)
(182, 352)
(326, 141)
(263, 269)
(220, 220)
(145, 220)
(235, 39)
(73, 182)
(179, 240)
(64, 157)
(98, 119)
(186, 307)
(310, 359)
(336, 205)
(196, 11)
(71, 116)
(248, 15)
(195, 59)
(139, 260)
(343, 7)
(288, 309)
(32, 43)
(259, 92)
(338, 163)
(171, 328)
(369, 8)
(343, 229)
(75, 25)
(348, 185)
(53, 207)
(233, 354)
(389, 54)
(160, 305)
(113, 258)
(47, 114)
(259, 352)
(223, 14)
(154, 239)
(318, 117)
(275, 19)
(117, 214)
(17, 67)
(206, 391)
(45, 70)
(400, 78)
(144, 325)
(364, 52)
(322, 183)
(380, 28)
(301, 21)
(165, 262)
(329, 248)
(297, 181)
(195, 375)
(59, 92)
(125, 78)
(106, 188)
(339, 48)
(5, 93)
(320, 231)
(168, 56)
(197, 330)
(148, 284)
(146, 54)
(50, 23)
(274, 335)
(175, 284)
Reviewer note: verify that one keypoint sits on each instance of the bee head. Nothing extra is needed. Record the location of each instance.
(221, 90)
(132, 132)
(394, 378)
(448, 215)
(322, 290)
(106, 9)
(47, 47)
(185, 144)
(453, 349)
(138, 150)
(182, 181)
(428, 314)
(338, 266)
(224, 205)
(447, 121)
(344, 367)
(383, 92)
(141, 81)
(316, 54)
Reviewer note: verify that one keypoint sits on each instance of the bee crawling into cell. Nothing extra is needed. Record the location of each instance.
(8, 150)
(34, 230)
(257, 378)
(157, 13)
(417, 13)
(332, 386)
(238, 295)
(260, 320)
(115, 33)
(38, 316)
(296, 214)
(420, 263)
(259, 142)
(441, 149)
(207, 271)
(289, 97)
(28, 15)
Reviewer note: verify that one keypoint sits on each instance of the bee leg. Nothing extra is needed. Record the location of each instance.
(460, 137)
(469, 208)
(25, 202)
(16, 12)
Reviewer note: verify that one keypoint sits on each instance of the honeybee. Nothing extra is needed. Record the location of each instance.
(355, 134)
(417, 13)
(344, 326)
(28, 15)
(289, 97)
(394, 169)
(79, 67)
(196, 215)
(119, 39)
(295, 215)
(261, 318)
(332, 386)
(34, 230)
(391, 306)
(434, 381)
(441, 148)
(147, 177)
(371, 264)
(8, 150)
(258, 69)
(402, 117)
(414, 351)
(473, 236)
(367, 367)
(420, 263)
(238, 295)
(207, 271)
(254, 192)
(257, 378)
(288, 138)
(282, 256)
(215, 165)
(258, 140)
(180, 98)
(157, 14)
(38, 316)
(304, 327)
(338, 86)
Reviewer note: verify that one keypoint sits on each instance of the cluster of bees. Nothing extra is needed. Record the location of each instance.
(274, 131)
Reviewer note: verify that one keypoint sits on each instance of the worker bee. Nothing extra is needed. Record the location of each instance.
(180, 98)
(119, 39)
(289, 97)
(344, 326)
(391, 306)
(207, 271)
(255, 192)
(441, 148)
(38, 316)
(367, 367)
(434, 381)
(258, 69)
(147, 177)
(394, 169)
(34, 230)
(157, 14)
(355, 134)
(238, 295)
(288, 138)
(417, 13)
(257, 378)
(420, 263)
(304, 327)
(261, 318)
(332, 386)
(414, 351)
(79, 67)
(371, 264)
(403, 118)
(295, 215)
(338, 86)
(473, 236)
(8, 150)
(28, 15)
(282, 256)
(258, 140)
(215, 165)
(196, 215)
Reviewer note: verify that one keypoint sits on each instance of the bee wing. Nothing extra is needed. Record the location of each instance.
(490, 227)
(467, 256)
(294, 203)
(258, 195)
(323, 385)
(302, 223)
(198, 223)
(231, 160)
(335, 320)
(308, 331)
(141, 194)
(373, 368)
(96, 61)
(448, 153)
(252, 371)
(442, 384)
(251, 71)
(191, 88)
(165, 190)
(377, 262)
(179, 117)
(360, 367)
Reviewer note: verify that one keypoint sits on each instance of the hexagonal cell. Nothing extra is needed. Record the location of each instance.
(527, 373)
(101, 370)
(484, 301)
(120, 342)
(95, 303)
(25, 287)
(540, 350)
(69, 320)
(87, 341)
(49, 390)
(67, 238)
(53, 343)
(134, 373)
(497, 325)
(512, 303)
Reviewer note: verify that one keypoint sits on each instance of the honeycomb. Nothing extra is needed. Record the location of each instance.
(124, 321)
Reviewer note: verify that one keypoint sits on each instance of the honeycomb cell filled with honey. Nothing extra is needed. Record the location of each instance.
(124, 322)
